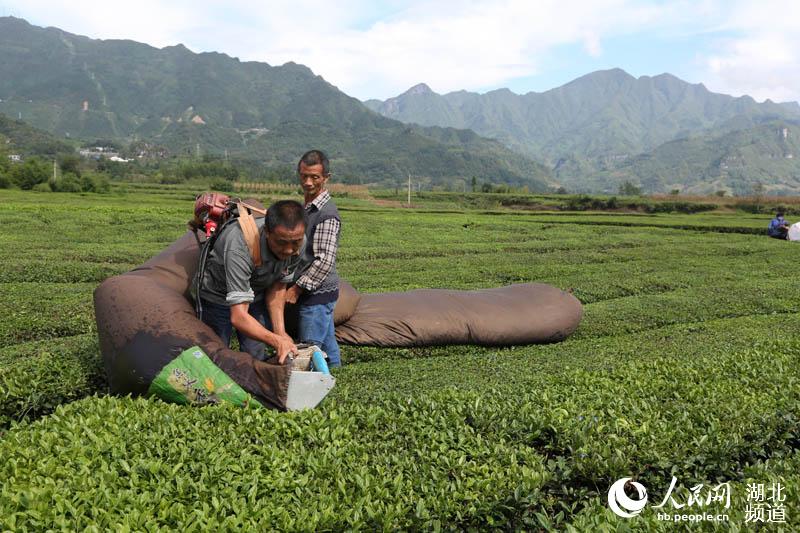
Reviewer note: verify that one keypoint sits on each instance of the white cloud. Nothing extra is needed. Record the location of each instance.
(151, 21)
(762, 58)
(461, 45)
(592, 45)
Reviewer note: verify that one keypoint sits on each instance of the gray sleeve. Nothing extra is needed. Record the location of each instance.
(238, 269)
(295, 264)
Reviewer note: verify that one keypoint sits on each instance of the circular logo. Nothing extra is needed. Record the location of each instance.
(621, 504)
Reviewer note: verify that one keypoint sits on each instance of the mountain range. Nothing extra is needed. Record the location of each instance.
(78, 87)
(590, 135)
(608, 127)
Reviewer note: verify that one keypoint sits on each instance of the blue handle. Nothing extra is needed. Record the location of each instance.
(318, 363)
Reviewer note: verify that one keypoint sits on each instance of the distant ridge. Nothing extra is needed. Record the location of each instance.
(212, 103)
(587, 129)
(19, 138)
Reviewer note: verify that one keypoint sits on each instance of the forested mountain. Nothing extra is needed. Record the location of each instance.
(83, 88)
(19, 138)
(597, 128)
(763, 157)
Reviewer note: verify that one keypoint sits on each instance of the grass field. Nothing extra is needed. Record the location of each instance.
(686, 364)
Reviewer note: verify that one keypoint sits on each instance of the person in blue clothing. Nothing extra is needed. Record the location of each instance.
(778, 227)
(316, 289)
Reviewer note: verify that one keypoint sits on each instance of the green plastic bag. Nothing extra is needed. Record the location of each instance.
(193, 378)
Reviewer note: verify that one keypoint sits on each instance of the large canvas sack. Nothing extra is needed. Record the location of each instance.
(516, 314)
(794, 232)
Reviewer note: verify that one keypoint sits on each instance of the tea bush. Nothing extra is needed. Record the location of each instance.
(685, 364)
(137, 464)
(36, 377)
(33, 311)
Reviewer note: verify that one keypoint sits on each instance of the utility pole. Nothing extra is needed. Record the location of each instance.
(198, 150)
(409, 189)
(55, 177)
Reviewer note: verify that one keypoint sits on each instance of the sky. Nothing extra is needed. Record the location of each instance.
(380, 48)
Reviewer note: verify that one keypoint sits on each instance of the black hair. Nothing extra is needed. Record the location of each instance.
(286, 213)
(779, 214)
(315, 157)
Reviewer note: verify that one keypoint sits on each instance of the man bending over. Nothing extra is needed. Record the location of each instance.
(235, 293)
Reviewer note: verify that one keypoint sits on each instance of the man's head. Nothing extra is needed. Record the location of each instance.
(285, 227)
(779, 214)
(313, 171)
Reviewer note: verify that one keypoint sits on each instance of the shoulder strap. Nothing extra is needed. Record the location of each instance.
(252, 208)
(250, 231)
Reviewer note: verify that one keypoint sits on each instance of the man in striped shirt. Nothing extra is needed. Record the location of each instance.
(316, 289)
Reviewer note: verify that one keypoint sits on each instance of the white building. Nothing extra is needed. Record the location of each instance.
(96, 152)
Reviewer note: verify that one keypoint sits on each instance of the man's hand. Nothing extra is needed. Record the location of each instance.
(249, 326)
(284, 345)
(293, 293)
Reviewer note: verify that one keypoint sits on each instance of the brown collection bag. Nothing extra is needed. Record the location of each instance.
(527, 313)
(145, 319)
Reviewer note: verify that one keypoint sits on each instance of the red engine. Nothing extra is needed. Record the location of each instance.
(210, 210)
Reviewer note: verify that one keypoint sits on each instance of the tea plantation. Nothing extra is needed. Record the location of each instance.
(686, 364)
